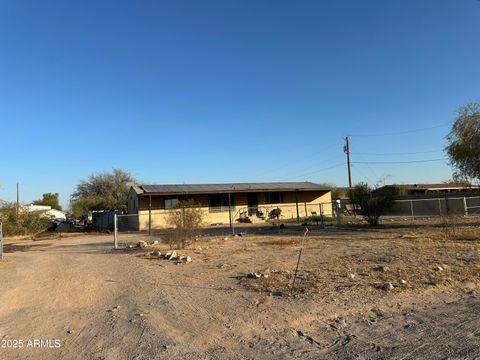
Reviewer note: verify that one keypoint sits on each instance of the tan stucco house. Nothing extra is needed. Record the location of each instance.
(227, 203)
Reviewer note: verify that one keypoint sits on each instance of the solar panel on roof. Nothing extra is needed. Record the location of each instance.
(195, 188)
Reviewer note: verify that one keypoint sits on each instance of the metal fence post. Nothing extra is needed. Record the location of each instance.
(465, 205)
(1, 241)
(115, 231)
(411, 209)
(338, 207)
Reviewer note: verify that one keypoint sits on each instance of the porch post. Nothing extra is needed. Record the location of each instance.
(296, 204)
(149, 215)
(230, 209)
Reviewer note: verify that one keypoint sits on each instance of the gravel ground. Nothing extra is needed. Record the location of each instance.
(103, 304)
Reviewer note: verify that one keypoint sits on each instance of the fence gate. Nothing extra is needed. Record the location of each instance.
(126, 230)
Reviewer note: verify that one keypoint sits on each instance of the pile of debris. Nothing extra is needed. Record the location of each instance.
(142, 245)
(171, 255)
(156, 254)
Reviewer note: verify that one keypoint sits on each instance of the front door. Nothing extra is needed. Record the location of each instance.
(252, 201)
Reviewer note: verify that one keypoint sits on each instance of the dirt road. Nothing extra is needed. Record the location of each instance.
(68, 290)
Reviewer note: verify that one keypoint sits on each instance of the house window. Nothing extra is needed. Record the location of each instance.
(219, 203)
(171, 203)
(273, 198)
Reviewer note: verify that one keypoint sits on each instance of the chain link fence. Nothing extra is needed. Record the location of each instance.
(1, 241)
(414, 208)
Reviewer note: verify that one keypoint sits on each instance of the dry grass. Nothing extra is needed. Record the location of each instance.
(409, 254)
(280, 241)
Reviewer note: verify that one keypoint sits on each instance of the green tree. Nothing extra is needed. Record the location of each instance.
(464, 143)
(49, 199)
(372, 203)
(102, 191)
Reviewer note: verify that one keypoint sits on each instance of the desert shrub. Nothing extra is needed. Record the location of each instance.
(372, 203)
(24, 223)
(185, 222)
(275, 214)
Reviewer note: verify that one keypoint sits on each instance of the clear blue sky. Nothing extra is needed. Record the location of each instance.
(230, 91)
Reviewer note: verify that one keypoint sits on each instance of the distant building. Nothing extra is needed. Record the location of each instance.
(49, 212)
(226, 203)
(416, 189)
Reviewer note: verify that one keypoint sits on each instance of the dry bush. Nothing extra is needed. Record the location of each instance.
(449, 223)
(24, 223)
(185, 222)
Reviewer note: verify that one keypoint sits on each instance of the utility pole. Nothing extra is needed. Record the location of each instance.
(346, 150)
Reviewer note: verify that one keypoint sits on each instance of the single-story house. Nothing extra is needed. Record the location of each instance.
(415, 189)
(227, 203)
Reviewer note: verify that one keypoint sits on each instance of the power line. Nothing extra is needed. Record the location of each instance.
(314, 172)
(309, 156)
(398, 162)
(402, 153)
(402, 132)
(358, 169)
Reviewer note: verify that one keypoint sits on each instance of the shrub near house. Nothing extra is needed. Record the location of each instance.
(372, 204)
(24, 222)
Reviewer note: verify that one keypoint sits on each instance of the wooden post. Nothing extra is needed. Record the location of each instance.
(149, 215)
(321, 214)
(230, 209)
(347, 151)
(296, 204)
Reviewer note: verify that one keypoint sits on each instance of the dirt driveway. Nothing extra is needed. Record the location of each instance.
(93, 303)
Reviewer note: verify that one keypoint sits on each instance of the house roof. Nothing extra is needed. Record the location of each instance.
(137, 189)
(226, 188)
